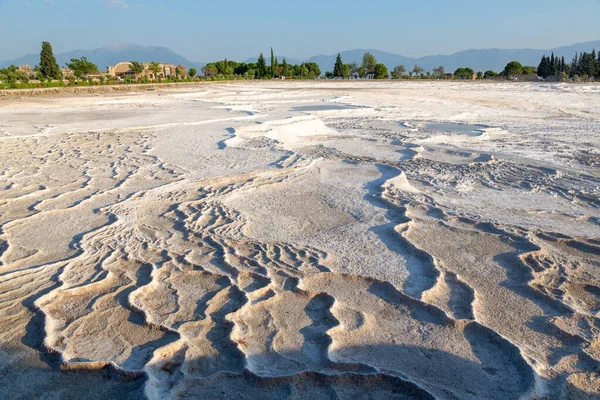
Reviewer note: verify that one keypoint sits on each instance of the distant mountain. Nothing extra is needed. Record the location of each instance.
(479, 60)
(111, 55)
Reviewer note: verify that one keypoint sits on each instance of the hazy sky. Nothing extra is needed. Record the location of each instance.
(206, 30)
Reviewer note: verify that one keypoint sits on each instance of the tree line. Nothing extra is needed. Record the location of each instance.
(584, 65)
(369, 68)
(227, 69)
(48, 70)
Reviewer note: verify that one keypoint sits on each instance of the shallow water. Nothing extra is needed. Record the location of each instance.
(324, 107)
(471, 130)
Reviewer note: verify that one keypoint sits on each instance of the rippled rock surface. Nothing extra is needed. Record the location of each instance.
(302, 241)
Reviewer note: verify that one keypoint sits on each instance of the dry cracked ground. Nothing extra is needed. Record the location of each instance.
(302, 241)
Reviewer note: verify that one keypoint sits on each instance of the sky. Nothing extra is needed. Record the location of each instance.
(203, 30)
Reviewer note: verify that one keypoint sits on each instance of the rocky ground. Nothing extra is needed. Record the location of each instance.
(344, 240)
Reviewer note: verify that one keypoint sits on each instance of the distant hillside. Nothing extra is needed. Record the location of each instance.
(479, 60)
(110, 55)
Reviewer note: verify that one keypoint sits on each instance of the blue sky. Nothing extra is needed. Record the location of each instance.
(207, 30)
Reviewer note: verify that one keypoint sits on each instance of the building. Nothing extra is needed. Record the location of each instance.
(123, 69)
(25, 68)
(67, 72)
(120, 70)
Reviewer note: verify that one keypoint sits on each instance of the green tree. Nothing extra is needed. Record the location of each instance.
(313, 70)
(48, 66)
(346, 70)
(276, 69)
(369, 63)
(136, 68)
(362, 72)
(464, 73)
(544, 69)
(272, 62)
(261, 66)
(417, 70)
(301, 71)
(12, 75)
(338, 68)
(381, 71)
(209, 69)
(285, 69)
(513, 68)
(82, 67)
(528, 70)
(489, 74)
(439, 72)
(155, 69)
(225, 68)
(479, 75)
(398, 71)
(193, 73)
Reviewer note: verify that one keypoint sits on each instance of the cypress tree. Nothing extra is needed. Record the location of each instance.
(338, 69)
(543, 67)
(284, 68)
(48, 66)
(261, 66)
(563, 65)
(272, 62)
(584, 64)
(574, 65)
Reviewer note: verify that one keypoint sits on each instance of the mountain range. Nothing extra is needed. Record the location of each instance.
(111, 55)
(479, 60)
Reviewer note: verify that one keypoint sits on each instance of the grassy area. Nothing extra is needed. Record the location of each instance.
(31, 85)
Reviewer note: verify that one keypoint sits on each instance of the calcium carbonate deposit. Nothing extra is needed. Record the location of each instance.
(279, 240)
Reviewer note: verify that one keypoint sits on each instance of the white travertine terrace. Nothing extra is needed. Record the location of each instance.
(260, 240)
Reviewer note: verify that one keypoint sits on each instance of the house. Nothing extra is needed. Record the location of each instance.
(25, 68)
(123, 69)
(67, 72)
(120, 70)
